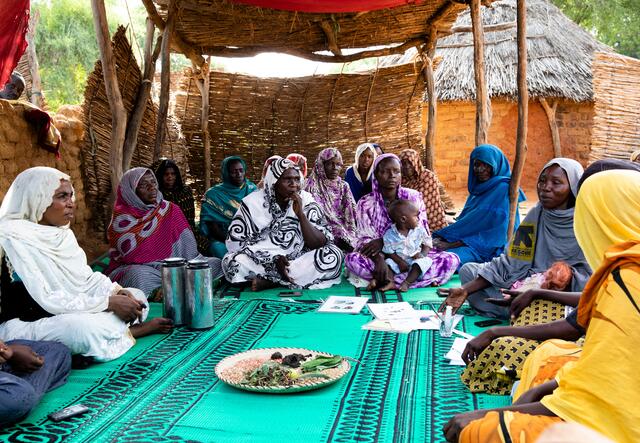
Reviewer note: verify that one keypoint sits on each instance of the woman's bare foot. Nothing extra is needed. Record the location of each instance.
(372, 285)
(158, 325)
(389, 286)
(260, 284)
(404, 287)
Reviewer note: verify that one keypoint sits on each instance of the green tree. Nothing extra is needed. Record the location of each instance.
(613, 22)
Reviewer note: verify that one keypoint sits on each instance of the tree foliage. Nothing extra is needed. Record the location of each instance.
(613, 22)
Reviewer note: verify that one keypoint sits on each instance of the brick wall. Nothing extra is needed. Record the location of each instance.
(455, 134)
(19, 150)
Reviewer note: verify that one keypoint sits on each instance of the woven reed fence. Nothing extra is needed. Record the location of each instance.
(97, 119)
(258, 117)
(616, 85)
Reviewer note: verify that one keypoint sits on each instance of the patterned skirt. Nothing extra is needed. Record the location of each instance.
(500, 364)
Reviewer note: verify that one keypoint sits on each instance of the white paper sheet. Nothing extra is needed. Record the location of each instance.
(343, 305)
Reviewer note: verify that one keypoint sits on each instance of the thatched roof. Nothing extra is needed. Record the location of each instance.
(95, 152)
(616, 123)
(559, 55)
(258, 117)
(224, 28)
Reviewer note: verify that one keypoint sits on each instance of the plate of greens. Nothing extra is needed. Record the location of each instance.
(281, 370)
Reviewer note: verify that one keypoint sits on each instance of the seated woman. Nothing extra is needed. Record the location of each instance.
(279, 236)
(358, 175)
(144, 230)
(416, 176)
(334, 197)
(480, 231)
(28, 369)
(54, 294)
(373, 220)
(544, 237)
(601, 390)
(221, 202)
(174, 190)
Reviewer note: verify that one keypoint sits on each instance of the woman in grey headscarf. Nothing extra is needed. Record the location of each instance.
(544, 237)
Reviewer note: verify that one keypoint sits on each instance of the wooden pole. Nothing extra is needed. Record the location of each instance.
(483, 110)
(550, 110)
(165, 80)
(523, 110)
(429, 80)
(203, 84)
(144, 91)
(118, 112)
(34, 68)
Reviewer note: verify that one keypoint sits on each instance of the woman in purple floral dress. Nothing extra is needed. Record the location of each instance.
(373, 220)
(334, 197)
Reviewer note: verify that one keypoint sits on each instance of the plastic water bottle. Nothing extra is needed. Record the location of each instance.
(446, 326)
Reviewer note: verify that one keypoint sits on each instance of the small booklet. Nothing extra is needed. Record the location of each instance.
(392, 311)
(386, 326)
(343, 304)
(455, 353)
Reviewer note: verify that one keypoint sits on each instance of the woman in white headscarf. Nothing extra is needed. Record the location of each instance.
(48, 290)
(358, 176)
(280, 237)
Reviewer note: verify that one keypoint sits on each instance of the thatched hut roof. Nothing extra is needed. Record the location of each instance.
(226, 28)
(97, 115)
(559, 55)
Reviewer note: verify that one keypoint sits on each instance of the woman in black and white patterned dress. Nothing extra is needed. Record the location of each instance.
(279, 236)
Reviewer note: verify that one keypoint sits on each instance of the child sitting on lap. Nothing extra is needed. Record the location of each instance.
(406, 245)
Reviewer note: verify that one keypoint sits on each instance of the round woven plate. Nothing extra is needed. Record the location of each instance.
(302, 385)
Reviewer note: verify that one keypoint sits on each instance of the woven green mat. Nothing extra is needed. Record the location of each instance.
(165, 389)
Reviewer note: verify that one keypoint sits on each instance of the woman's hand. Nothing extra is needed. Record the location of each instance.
(521, 300)
(282, 266)
(372, 248)
(297, 204)
(455, 297)
(5, 352)
(125, 306)
(537, 393)
(458, 422)
(380, 273)
(25, 359)
(477, 345)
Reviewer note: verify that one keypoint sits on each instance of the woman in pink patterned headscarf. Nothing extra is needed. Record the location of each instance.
(334, 197)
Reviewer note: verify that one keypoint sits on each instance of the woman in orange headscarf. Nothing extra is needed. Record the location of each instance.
(602, 389)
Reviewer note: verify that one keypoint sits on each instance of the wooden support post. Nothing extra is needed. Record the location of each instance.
(34, 68)
(118, 111)
(550, 110)
(429, 140)
(144, 91)
(165, 80)
(332, 37)
(483, 108)
(203, 86)
(523, 110)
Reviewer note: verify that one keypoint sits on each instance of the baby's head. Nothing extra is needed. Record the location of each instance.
(404, 214)
(558, 276)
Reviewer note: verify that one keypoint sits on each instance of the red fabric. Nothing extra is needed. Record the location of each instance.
(14, 22)
(328, 5)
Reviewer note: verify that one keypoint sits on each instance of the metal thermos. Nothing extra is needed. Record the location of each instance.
(199, 294)
(173, 292)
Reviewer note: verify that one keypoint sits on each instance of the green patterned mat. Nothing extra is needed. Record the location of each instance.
(165, 389)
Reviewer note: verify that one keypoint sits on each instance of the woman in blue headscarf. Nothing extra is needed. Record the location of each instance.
(480, 231)
(221, 202)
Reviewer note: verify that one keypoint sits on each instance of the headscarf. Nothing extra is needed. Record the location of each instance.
(300, 161)
(607, 213)
(427, 183)
(634, 156)
(274, 172)
(334, 197)
(359, 151)
(606, 165)
(162, 168)
(265, 168)
(221, 202)
(544, 237)
(488, 201)
(48, 259)
(141, 233)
